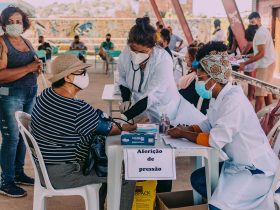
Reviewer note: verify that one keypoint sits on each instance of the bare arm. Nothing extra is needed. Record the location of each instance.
(178, 132)
(10, 75)
(181, 42)
(126, 127)
(247, 48)
(258, 56)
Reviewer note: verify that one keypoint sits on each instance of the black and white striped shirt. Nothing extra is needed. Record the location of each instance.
(62, 127)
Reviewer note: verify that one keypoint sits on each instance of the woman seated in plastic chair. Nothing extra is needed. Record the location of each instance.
(232, 128)
(63, 125)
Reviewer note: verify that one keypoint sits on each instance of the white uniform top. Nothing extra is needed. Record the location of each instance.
(158, 84)
(219, 36)
(263, 37)
(235, 130)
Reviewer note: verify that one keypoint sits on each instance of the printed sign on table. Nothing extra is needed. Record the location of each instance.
(149, 164)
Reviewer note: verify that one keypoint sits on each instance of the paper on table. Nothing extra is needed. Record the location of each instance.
(180, 143)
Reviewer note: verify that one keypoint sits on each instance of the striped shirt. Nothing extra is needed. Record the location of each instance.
(62, 127)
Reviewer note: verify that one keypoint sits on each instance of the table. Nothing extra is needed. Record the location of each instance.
(114, 151)
(109, 96)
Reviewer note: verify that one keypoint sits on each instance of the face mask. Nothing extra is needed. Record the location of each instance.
(81, 81)
(108, 39)
(201, 89)
(138, 58)
(254, 27)
(40, 41)
(14, 30)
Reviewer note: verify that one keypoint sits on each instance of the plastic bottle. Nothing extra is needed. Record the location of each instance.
(167, 123)
(162, 124)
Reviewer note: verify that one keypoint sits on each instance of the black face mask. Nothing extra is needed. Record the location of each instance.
(40, 41)
(255, 27)
(108, 39)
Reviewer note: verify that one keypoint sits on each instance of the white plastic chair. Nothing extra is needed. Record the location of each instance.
(90, 193)
(266, 109)
(275, 184)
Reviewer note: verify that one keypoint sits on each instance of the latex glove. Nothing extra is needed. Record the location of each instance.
(124, 106)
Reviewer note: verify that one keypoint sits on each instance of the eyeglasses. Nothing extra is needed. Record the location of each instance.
(82, 72)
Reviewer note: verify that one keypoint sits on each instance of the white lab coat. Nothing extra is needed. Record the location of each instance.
(236, 132)
(157, 83)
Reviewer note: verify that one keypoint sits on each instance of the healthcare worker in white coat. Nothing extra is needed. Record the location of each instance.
(146, 81)
(233, 128)
(146, 78)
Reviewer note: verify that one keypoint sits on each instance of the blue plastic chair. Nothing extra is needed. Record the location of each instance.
(42, 55)
(96, 51)
(54, 50)
(113, 54)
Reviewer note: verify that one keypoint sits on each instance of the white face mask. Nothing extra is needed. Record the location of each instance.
(14, 30)
(138, 58)
(81, 81)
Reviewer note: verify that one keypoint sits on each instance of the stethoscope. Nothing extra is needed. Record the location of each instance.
(141, 74)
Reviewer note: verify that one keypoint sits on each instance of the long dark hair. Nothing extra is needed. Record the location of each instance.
(142, 33)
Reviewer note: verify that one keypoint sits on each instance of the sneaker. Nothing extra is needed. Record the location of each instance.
(11, 190)
(24, 179)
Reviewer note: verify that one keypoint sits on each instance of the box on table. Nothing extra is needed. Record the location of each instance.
(145, 195)
(136, 138)
(182, 200)
(147, 128)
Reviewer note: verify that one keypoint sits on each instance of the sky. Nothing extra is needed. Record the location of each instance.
(215, 7)
(200, 7)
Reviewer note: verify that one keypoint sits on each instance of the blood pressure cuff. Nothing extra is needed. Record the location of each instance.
(105, 124)
(125, 93)
(137, 109)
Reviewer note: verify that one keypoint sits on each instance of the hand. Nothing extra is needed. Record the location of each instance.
(177, 49)
(241, 66)
(128, 127)
(185, 128)
(141, 119)
(40, 69)
(238, 57)
(124, 106)
(35, 66)
(175, 132)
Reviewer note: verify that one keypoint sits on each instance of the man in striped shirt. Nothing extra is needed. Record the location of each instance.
(63, 125)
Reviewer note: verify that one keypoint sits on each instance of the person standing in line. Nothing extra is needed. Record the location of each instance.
(264, 56)
(159, 26)
(19, 69)
(165, 39)
(250, 70)
(218, 35)
(173, 41)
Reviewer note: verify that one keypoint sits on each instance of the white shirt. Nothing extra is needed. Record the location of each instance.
(263, 37)
(157, 82)
(159, 85)
(236, 132)
(219, 36)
